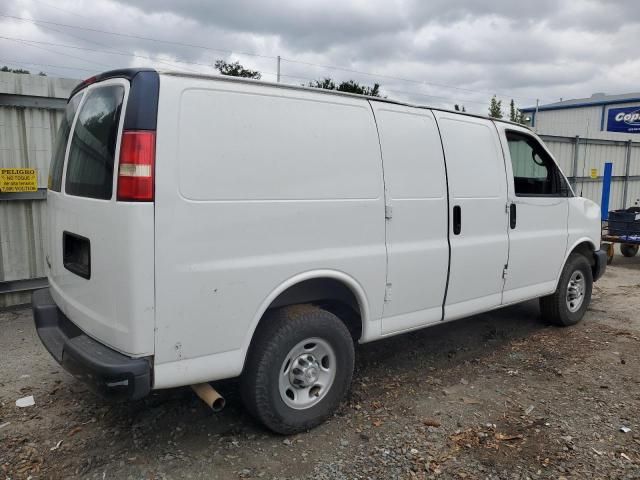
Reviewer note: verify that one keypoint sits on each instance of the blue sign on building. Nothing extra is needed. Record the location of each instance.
(626, 120)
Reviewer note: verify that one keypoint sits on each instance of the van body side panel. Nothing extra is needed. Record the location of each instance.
(418, 250)
(478, 187)
(256, 185)
(584, 223)
(114, 301)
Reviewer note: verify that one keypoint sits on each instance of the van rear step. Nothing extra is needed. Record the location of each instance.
(107, 372)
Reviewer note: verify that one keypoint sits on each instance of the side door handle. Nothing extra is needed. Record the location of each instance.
(457, 220)
(512, 215)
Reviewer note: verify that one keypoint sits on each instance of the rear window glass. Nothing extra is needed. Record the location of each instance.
(60, 147)
(93, 146)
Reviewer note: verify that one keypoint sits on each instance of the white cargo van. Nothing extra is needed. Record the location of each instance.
(203, 228)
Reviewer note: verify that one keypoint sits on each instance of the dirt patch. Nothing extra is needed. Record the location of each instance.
(499, 395)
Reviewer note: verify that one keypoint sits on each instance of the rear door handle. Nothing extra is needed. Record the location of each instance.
(457, 220)
(512, 215)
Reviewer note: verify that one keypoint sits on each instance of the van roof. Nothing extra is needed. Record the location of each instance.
(129, 73)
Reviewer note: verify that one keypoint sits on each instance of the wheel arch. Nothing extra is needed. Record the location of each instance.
(586, 247)
(329, 288)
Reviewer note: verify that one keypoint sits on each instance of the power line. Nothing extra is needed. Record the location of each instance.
(138, 37)
(328, 67)
(97, 43)
(61, 9)
(404, 92)
(22, 64)
(30, 44)
(449, 99)
(409, 80)
(46, 71)
(109, 52)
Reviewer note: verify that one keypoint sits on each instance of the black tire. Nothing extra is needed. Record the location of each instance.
(554, 307)
(278, 333)
(628, 250)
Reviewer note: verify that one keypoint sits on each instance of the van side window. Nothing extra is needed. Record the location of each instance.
(92, 151)
(534, 171)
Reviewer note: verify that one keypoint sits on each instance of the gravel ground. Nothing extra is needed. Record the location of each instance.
(497, 396)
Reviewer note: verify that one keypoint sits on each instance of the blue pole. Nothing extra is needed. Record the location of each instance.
(606, 189)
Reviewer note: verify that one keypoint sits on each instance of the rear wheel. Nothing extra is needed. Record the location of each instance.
(628, 250)
(299, 368)
(568, 304)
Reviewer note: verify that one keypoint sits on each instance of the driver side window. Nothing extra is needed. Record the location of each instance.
(534, 171)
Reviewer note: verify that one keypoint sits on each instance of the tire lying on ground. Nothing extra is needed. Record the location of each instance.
(568, 304)
(299, 368)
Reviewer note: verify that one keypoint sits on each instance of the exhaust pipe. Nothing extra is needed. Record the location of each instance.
(210, 396)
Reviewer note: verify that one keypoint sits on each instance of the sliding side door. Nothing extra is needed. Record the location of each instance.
(477, 208)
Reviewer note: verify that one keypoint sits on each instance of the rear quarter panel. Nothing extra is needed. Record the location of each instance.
(256, 185)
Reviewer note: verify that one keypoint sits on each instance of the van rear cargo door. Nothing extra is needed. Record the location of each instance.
(100, 251)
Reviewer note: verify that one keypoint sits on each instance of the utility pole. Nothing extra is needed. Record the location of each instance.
(278, 70)
(535, 117)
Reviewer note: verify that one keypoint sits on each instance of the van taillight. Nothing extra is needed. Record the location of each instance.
(136, 172)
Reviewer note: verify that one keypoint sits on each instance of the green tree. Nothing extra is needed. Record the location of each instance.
(325, 83)
(495, 108)
(14, 70)
(515, 115)
(235, 69)
(350, 86)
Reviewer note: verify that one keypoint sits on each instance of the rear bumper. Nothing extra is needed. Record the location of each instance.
(107, 372)
(600, 265)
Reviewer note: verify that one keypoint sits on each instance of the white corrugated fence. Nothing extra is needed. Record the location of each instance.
(31, 107)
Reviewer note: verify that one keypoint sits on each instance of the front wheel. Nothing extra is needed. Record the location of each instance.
(568, 304)
(299, 368)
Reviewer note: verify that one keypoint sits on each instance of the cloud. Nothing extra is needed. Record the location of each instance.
(438, 52)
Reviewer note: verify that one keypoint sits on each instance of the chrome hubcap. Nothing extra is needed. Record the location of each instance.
(575, 291)
(307, 373)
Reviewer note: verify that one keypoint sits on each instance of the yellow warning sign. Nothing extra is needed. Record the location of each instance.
(18, 180)
(594, 173)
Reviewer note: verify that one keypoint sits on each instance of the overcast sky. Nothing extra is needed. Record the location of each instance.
(437, 52)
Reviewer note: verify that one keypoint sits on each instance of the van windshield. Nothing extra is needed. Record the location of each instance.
(60, 147)
(92, 151)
